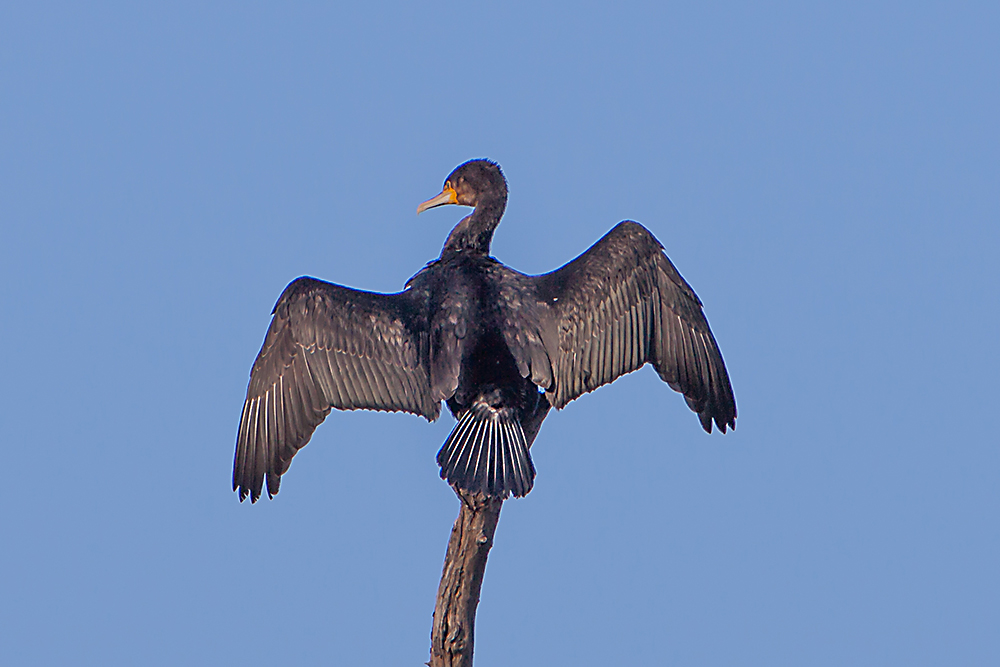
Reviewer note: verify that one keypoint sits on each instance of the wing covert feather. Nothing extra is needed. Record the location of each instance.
(327, 347)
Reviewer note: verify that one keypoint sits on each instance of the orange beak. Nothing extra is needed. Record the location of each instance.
(447, 196)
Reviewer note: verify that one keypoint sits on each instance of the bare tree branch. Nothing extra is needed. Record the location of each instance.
(453, 632)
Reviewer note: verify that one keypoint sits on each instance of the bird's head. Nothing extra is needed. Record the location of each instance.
(470, 184)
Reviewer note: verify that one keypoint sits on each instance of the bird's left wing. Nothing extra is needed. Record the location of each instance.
(328, 346)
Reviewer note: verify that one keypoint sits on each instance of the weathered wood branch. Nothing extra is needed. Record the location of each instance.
(454, 627)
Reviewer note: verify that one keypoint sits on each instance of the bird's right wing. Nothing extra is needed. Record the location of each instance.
(327, 347)
(618, 306)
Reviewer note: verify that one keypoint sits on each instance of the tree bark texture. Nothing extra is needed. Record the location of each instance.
(453, 632)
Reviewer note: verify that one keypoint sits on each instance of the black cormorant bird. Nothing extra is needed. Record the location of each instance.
(498, 346)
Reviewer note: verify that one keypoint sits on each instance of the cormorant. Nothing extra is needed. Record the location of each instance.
(498, 346)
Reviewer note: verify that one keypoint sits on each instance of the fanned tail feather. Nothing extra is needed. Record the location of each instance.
(487, 453)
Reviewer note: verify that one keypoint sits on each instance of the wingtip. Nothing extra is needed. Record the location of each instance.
(723, 423)
(706, 420)
(245, 491)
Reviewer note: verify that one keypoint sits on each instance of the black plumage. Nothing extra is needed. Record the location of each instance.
(498, 346)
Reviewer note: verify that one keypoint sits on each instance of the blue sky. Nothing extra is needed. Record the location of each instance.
(825, 176)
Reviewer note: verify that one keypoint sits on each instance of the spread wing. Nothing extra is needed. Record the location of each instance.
(620, 305)
(327, 347)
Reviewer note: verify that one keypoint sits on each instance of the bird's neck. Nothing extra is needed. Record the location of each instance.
(474, 233)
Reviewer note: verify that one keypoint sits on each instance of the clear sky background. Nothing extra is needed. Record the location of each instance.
(827, 178)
